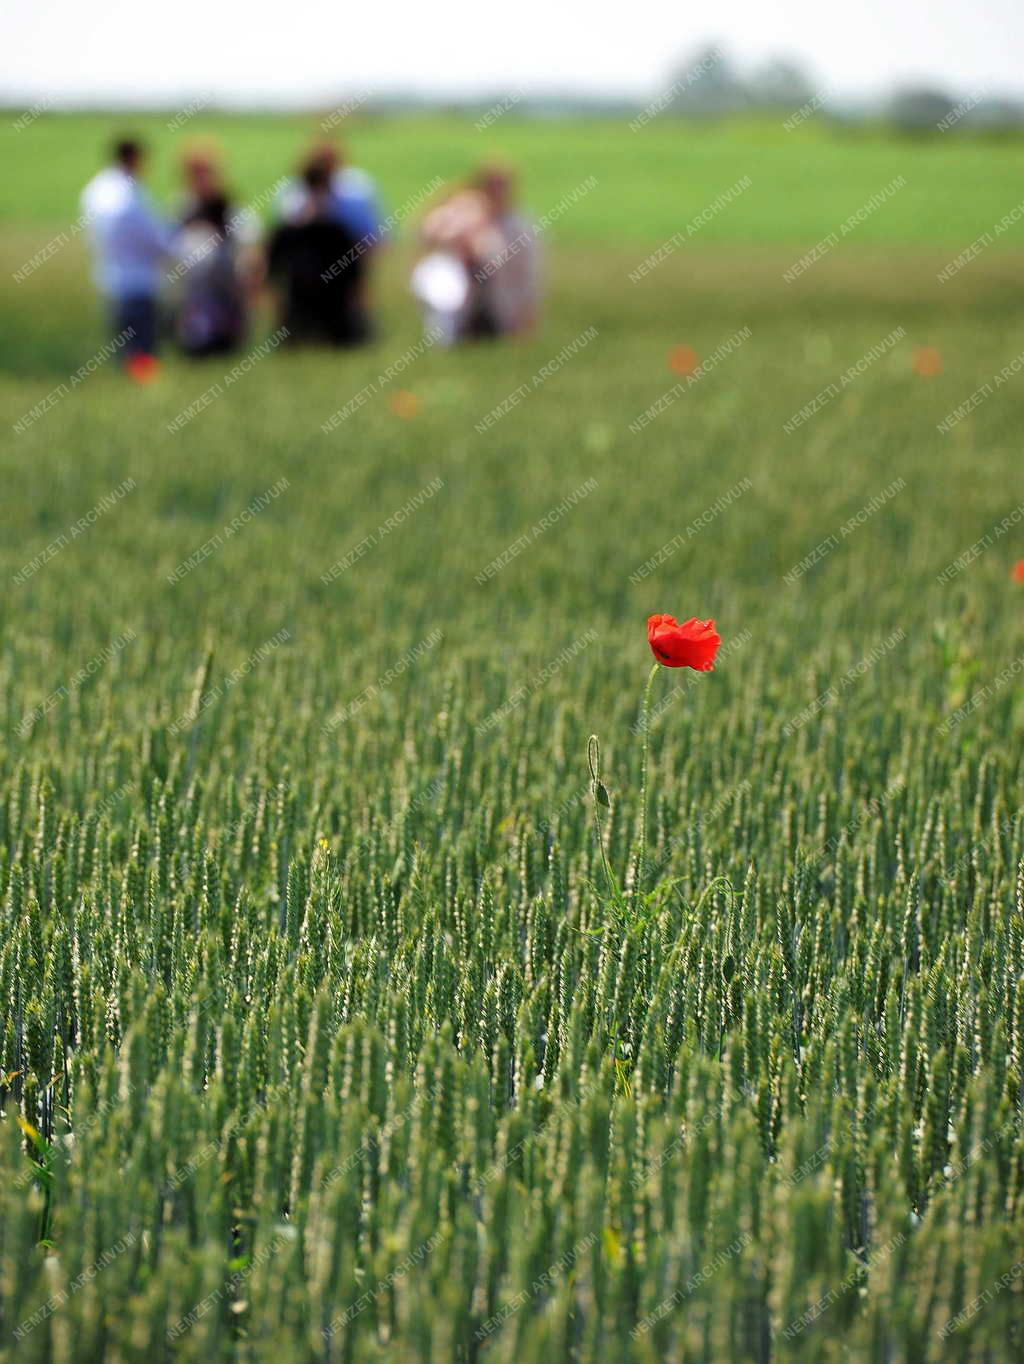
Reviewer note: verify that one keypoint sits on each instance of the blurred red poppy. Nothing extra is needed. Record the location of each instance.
(404, 404)
(690, 645)
(142, 369)
(927, 362)
(683, 359)
(1018, 571)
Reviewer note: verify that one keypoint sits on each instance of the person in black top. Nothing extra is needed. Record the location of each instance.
(320, 266)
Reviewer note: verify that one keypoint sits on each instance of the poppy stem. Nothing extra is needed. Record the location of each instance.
(645, 724)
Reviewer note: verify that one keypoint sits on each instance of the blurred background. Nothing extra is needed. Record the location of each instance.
(823, 113)
(728, 216)
(563, 57)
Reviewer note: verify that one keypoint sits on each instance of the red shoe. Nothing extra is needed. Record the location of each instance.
(143, 369)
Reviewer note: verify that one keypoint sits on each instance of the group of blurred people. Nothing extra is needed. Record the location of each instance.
(197, 274)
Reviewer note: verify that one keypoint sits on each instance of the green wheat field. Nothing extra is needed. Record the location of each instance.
(326, 1033)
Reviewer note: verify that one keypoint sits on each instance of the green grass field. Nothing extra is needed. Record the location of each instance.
(324, 1037)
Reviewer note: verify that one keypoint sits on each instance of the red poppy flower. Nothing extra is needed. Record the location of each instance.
(927, 362)
(143, 369)
(1018, 571)
(683, 359)
(690, 645)
(404, 404)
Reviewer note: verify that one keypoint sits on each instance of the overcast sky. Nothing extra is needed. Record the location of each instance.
(311, 51)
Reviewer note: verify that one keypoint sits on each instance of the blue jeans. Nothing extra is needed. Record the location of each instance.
(137, 314)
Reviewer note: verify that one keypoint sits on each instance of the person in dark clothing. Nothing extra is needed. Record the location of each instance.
(321, 270)
(211, 313)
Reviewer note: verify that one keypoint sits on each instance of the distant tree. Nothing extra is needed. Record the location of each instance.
(706, 85)
(779, 84)
(995, 115)
(919, 108)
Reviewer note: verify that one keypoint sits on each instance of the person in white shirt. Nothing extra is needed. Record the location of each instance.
(129, 242)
